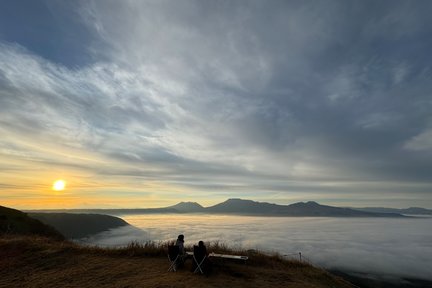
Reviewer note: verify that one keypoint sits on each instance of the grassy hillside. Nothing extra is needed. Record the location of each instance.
(27, 261)
(79, 225)
(16, 222)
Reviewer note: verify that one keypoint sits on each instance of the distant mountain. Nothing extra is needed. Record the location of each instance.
(248, 207)
(79, 225)
(13, 221)
(406, 211)
(241, 206)
(188, 207)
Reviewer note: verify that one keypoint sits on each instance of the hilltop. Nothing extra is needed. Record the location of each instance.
(13, 221)
(58, 225)
(42, 262)
(188, 207)
(79, 225)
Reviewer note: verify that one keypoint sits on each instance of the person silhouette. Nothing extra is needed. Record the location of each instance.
(180, 243)
(200, 254)
(202, 247)
(182, 253)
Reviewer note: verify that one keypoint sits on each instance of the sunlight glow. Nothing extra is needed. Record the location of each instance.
(59, 185)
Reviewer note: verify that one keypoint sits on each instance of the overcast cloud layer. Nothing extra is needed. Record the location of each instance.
(144, 103)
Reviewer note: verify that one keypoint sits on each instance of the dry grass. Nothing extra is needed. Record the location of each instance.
(41, 262)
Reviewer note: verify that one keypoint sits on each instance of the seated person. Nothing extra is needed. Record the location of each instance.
(180, 243)
(182, 252)
(200, 252)
(202, 247)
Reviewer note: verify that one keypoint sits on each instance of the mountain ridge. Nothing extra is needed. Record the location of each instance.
(237, 206)
(406, 211)
(299, 209)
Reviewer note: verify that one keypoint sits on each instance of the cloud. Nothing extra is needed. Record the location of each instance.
(393, 248)
(116, 237)
(421, 142)
(199, 94)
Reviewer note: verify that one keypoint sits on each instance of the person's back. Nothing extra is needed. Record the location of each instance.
(200, 252)
(182, 253)
(202, 248)
(180, 243)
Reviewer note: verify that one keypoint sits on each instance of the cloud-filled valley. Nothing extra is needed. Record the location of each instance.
(378, 247)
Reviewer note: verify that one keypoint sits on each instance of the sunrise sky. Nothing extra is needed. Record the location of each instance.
(148, 103)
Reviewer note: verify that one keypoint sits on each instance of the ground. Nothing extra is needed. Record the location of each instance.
(39, 262)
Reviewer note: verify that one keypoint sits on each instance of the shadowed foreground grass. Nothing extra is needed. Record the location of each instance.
(27, 261)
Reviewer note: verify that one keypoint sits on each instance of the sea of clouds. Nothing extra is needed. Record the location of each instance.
(382, 247)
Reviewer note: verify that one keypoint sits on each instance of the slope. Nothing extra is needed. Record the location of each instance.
(16, 222)
(40, 262)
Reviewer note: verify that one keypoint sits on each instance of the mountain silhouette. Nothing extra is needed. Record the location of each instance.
(236, 205)
(242, 207)
(79, 225)
(188, 207)
(15, 222)
(311, 208)
(407, 211)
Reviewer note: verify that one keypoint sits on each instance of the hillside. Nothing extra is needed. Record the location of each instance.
(41, 262)
(79, 225)
(16, 222)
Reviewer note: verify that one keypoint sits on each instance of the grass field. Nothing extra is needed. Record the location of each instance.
(30, 261)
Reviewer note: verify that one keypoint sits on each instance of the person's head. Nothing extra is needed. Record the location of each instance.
(180, 237)
(200, 243)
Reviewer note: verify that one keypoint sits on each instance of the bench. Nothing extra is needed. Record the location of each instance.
(224, 256)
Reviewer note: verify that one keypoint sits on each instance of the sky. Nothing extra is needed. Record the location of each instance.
(148, 103)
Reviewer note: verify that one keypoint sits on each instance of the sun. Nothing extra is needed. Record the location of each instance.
(59, 185)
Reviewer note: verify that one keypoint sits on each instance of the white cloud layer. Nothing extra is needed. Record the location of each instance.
(394, 248)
